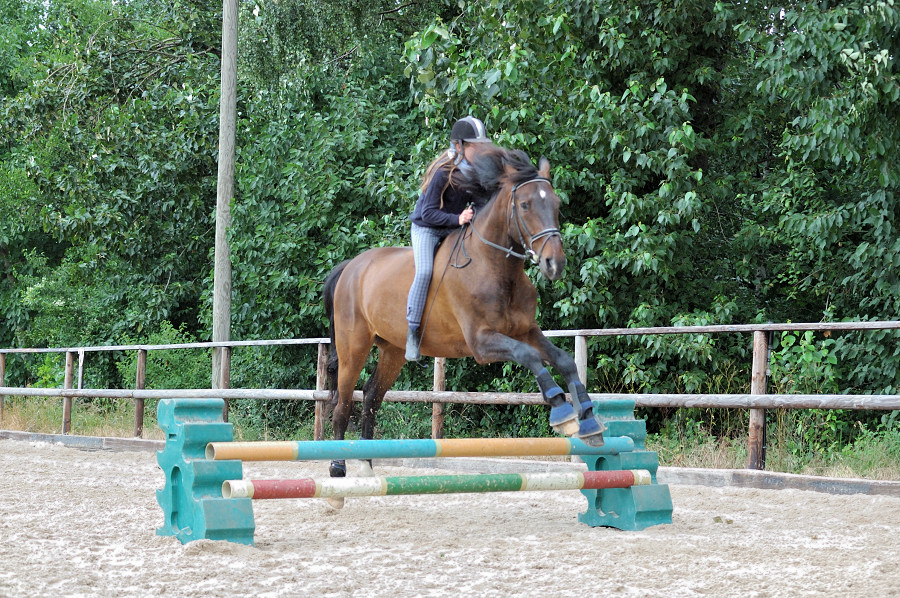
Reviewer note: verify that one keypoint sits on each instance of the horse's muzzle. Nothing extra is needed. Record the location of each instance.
(553, 267)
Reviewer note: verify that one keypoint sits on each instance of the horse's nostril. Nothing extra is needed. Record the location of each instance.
(552, 268)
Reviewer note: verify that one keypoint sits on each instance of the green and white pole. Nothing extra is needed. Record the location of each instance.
(435, 484)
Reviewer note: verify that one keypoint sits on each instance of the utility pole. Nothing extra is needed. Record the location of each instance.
(221, 328)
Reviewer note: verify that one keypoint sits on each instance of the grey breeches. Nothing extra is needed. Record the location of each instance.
(424, 242)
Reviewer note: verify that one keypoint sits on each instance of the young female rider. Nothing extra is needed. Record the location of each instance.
(444, 205)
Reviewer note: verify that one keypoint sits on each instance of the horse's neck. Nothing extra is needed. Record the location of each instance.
(493, 223)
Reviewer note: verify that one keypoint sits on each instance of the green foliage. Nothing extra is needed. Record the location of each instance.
(827, 79)
(18, 233)
(315, 189)
(413, 420)
(50, 371)
(117, 142)
(802, 365)
(718, 163)
(71, 304)
(283, 41)
(272, 420)
(806, 365)
(168, 368)
(274, 367)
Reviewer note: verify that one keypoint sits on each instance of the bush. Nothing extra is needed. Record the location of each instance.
(169, 368)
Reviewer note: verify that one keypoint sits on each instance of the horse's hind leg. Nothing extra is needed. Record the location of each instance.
(390, 361)
(352, 355)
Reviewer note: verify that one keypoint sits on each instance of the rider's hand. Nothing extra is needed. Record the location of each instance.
(466, 216)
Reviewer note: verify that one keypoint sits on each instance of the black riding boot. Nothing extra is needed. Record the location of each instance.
(413, 339)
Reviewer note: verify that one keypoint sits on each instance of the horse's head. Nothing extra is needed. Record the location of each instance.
(533, 218)
(532, 211)
(525, 205)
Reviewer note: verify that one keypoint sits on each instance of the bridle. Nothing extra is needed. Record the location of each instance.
(513, 215)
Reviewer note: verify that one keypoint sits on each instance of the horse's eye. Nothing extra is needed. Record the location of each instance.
(525, 205)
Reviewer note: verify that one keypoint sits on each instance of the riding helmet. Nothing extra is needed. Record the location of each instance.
(468, 129)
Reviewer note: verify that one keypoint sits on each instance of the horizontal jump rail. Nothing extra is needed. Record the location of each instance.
(437, 484)
(302, 450)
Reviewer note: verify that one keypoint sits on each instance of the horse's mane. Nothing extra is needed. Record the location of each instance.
(489, 173)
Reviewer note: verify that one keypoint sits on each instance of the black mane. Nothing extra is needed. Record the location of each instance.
(524, 169)
(488, 173)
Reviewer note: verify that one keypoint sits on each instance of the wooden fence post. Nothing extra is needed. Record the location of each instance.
(140, 381)
(437, 409)
(321, 377)
(581, 357)
(2, 382)
(756, 448)
(67, 384)
(225, 377)
(80, 383)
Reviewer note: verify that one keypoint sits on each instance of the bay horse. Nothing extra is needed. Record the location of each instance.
(484, 306)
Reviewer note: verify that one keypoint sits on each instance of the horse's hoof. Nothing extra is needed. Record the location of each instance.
(336, 503)
(569, 428)
(590, 431)
(362, 469)
(338, 469)
(564, 420)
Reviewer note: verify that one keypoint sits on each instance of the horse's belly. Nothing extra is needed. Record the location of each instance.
(385, 278)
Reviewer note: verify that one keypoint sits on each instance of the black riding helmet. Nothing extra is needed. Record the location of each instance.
(468, 129)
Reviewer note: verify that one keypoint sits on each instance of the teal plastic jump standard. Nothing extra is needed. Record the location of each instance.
(199, 457)
(191, 500)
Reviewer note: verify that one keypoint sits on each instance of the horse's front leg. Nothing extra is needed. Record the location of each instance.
(488, 346)
(590, 428)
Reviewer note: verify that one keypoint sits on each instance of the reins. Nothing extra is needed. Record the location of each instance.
(522, 228)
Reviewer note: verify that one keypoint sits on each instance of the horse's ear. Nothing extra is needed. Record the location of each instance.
(544, 167)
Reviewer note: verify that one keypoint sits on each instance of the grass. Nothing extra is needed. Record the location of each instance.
(90, 417)
(872, 455)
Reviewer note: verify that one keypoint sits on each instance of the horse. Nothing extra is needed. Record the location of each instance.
(484, 306)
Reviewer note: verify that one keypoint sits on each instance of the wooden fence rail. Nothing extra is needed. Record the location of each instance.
(711, 401)
(757, 401)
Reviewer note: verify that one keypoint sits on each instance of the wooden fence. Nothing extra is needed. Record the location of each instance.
(757, 401)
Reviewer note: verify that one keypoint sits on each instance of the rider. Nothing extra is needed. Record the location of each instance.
(443, 206)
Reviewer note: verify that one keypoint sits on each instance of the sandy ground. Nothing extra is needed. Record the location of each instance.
(80, 523)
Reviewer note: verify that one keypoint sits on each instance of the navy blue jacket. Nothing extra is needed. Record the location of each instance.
(428, 211)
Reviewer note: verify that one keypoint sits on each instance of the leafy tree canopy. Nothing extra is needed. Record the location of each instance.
(718, 162)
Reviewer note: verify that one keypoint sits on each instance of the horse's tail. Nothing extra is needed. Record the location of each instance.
(328, 298)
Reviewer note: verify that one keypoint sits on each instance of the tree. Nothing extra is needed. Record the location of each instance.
(718, 162)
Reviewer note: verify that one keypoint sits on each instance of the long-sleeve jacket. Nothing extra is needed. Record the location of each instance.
(428, 211)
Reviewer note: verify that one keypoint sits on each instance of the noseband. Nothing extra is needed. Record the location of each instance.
(513, 215)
